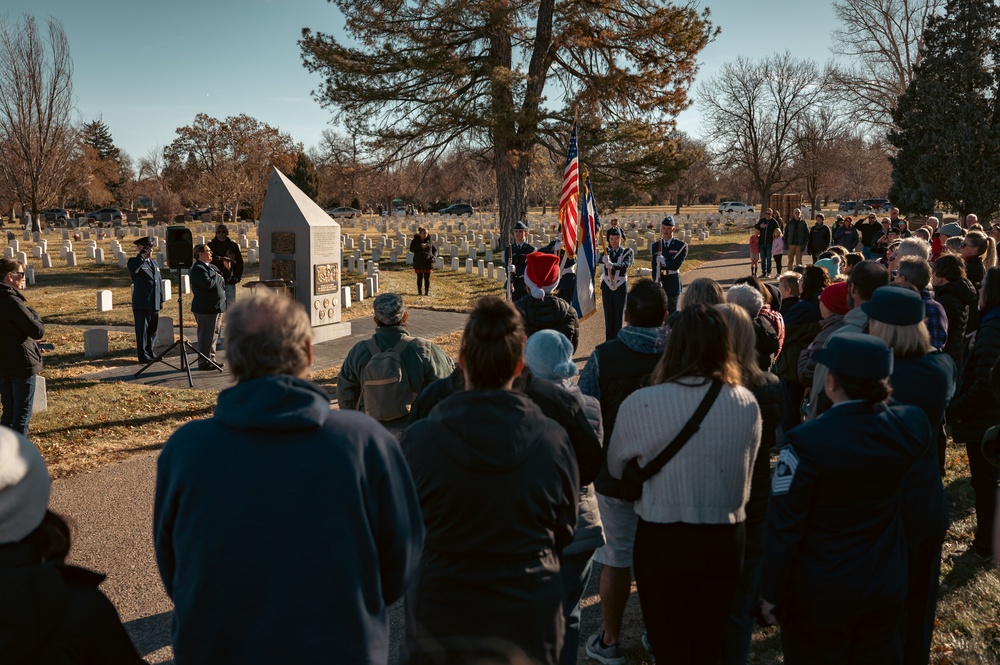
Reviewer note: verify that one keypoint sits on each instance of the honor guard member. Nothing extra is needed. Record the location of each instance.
(614, 282)
(147, 298)
(668, 255)
(834, 572)
(515, 258)
(567, 272)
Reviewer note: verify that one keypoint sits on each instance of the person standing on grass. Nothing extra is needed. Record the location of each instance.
(754, 250)
(424, 252)
(20, 356)
(796, 236)
(208, 302)
(283, 529)
(819, 237)
(147, 298)
(766, 225)
(777, 250)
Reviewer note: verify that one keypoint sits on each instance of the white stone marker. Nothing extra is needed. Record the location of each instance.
(46, 260)
(439, 263)
(345, 297)
(409, 258)
(185, 283)
(104, 301)
(370, 287)
(481, 266)
(29, 275)
(90, 252)
(36, 252)
(166, 288)
(501, 274)
(40, 401)
(468, 266)
(22, 257)
(164, 334)
(95, 343)
(70, 259)
(490, 270)
(14, 245)
(99, 256)
(360, 291)
(122, 260)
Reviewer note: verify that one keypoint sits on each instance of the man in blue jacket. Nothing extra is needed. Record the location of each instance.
(147, 298)
(283, 529)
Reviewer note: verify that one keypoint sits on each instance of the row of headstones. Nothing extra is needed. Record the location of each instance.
(368, 288)
(95, 340)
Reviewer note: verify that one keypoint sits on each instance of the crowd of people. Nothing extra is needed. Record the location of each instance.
(771, 453)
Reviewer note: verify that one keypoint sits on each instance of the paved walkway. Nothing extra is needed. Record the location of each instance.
(112, 508)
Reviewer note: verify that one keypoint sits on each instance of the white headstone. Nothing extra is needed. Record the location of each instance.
(8, 252)
(14, 245)
(345, 297)
(36, 252)
(104, 301)
(439, 263)
(90, 252)
(185, 284)
(370, 287)
(481, 266)
(360, 292)
(501, 274)
(252, 256)
(468, 265)
(164, 334)
(40, 400)
(165, 287)
(490, 270)
(22, 257)
(46, 260)
(29, 275)
(70, 259)
(95, 343)
(122, 260)
(409, 258)
(99, 256)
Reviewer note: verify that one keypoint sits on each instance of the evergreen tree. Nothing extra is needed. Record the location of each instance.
(305, 177)
(948, 120)
(97, 135)
(110, 164)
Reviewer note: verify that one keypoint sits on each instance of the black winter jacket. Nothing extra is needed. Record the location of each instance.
(974, 408)
(20, 326)
(550, 313)
(819, 239)
(423, 257)
(960, 302)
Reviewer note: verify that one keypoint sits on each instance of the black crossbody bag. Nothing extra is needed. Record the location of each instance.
(629, 488)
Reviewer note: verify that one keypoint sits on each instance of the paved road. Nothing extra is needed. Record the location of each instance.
(112, 508)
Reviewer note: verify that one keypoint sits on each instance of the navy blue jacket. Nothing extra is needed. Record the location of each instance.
(147, 289)
(834, 538)
(208, 289)
(283, 530)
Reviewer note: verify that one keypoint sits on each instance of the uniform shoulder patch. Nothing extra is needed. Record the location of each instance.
(784, 471)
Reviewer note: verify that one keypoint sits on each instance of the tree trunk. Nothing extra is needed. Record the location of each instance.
(512, 167)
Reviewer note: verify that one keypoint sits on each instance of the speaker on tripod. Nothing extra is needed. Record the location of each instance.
(180, 250)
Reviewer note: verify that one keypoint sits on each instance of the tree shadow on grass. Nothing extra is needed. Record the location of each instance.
(132, 422)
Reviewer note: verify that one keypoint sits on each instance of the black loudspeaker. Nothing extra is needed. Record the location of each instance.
(180, 251)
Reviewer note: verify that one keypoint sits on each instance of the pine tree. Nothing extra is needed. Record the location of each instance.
(948, 120)
(305, 177)
(97, 135)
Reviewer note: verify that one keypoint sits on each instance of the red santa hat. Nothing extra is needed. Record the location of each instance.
(541, 273)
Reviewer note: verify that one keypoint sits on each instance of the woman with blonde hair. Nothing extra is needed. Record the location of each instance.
(980, 254)
(698, 495)
(703, 291)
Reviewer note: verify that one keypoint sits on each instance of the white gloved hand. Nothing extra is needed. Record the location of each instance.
(510, 269)
(662, 261)
(607, 262)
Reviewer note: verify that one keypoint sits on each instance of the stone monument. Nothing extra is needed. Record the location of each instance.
(300, 243)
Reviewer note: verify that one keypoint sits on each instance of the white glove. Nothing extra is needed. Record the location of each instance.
(662, 261)
(510, 269)
(555, 248)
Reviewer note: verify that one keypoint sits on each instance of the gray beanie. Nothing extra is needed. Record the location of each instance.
(549, 355)
(24, 487)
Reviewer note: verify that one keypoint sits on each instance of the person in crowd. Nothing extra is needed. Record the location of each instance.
(567, 265)
(147, 298)
(549, 357)
(833, 307)
(769, 313)
(754, 250)
(847, 235)
(777, 249)
(868, 229)
(208, 302)
(820, 237)
(614, 282)
(540, 309)
(796, 236)
(940, 239)
(767, 226)
(614, 371)
(224, 541)
(971, 220)
(703, 291)
(975, 409)
(880, 240)
(668, 255)
(766, 390)
(903, 227)
(424, 251)
(960, 301)
(851, 260)
(421, 362)
(227, 257)
(926, 380)
(975, 250)
(802, 324)
(834, 572)
(699, 496)
(916, 272)
(20, 355)
(51, 612)
(831, 265)
(499, 557)
(788, 287)
(515, 258)
(766, 338)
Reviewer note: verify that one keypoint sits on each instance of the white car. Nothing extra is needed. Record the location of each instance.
(735, 206)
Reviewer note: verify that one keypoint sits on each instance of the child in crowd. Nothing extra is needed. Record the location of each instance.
(777, 249)
(754, 249)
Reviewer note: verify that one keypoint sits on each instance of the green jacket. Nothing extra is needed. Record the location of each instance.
(423, 362)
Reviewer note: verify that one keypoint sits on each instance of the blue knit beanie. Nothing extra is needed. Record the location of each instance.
(549, 355)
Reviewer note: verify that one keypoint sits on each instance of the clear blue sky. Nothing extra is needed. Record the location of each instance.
(148, 67)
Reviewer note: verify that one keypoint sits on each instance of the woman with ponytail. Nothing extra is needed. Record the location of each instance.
(980, 254)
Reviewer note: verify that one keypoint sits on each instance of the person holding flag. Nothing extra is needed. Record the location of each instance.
(515, 257)
(614, 283)
(668, 255)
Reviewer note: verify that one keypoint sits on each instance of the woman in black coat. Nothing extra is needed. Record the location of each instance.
(975, 409)
(20, 357)
(424, 252)
(960, 301)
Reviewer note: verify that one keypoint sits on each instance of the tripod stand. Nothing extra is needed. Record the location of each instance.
(181, 342)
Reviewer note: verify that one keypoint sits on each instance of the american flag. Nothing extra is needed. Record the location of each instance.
(569, 207)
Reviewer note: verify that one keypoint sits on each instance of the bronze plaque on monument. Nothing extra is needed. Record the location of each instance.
(283, 268)
(282, 242)
(326, 279)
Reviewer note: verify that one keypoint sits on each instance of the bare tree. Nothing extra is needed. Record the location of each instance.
(883, 40)
(751, 111)
(816, 150)
(696, 178)
(36, 107)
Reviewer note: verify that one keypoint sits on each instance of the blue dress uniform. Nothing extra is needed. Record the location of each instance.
(835, 550)
(516, 255)
(614, 286)
(147, 299)
(567, 274)
(667, 259)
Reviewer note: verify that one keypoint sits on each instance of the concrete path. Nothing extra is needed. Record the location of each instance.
(111, 509)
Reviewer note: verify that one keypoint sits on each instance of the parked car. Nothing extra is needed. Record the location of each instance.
(104, 214)
(227, 214)
(736, 206)
(880, 205)
(722, 206)
(56, 216)
(343, 212)
(458, 209)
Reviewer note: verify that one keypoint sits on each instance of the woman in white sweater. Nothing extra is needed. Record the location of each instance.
(689, 543)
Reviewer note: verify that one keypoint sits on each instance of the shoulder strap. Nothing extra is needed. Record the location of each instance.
(682, 437)
(373, 346)
(401, 344)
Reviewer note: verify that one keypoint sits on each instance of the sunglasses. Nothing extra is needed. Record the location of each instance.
(19, 275)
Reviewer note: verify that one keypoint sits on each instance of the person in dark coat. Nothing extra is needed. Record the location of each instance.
(925, 379)
(424, 252)
(147, 298)
(974, 249)
(227, 257)
(515, 259)
(49, 612)
(208, 302)
(846, 235)
(975, 409)
(819, 238)
(490, 568)
(767, 224)
(802, 324)
(542, 310)
(835, 553)
(20, 356)
(796, 237)
(614, 282)
(960, 301)
(668, 255)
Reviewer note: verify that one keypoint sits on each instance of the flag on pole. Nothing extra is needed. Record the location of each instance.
(584, 298)
(569, 200)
